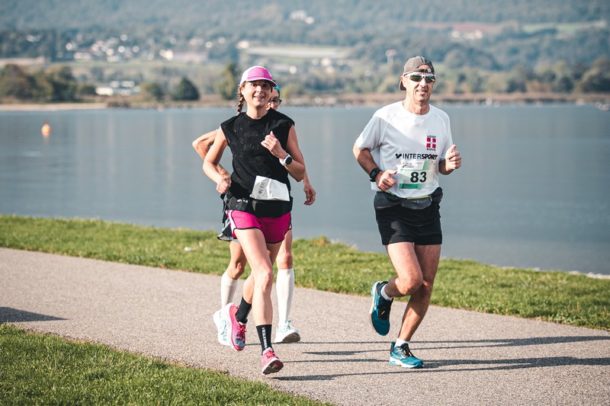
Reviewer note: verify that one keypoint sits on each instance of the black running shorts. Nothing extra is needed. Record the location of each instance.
(400, 224)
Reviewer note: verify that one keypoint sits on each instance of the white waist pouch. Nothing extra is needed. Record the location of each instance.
(269, 189)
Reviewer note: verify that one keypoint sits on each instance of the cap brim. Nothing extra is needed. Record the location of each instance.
(255, 79)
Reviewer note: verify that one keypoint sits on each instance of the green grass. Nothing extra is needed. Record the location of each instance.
(43, 369)
(554, 296)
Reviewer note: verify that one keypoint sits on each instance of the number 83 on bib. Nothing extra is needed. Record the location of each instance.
(413, 174)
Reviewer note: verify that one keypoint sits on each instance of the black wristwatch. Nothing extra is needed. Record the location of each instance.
(373, 173)
(286, 161)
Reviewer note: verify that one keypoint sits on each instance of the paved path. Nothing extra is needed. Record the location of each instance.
(471, 358)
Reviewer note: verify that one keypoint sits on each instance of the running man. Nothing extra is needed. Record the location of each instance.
(403, 148)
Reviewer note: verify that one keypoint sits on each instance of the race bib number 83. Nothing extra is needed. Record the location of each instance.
(413, 174)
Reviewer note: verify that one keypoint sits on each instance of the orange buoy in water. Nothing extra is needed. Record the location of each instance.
(45, 130)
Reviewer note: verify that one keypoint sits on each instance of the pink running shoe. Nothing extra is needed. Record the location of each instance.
(270, 363)
(238, 330)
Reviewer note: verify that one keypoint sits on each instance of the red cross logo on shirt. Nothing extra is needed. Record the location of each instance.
(431, 142)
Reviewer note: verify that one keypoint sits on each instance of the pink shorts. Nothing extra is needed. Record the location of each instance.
(273, 228)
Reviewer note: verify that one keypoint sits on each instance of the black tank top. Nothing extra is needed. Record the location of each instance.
(250, 158)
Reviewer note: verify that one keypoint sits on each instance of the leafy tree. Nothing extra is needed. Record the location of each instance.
(517, 81)
(469, 57)
(43, 89)
(63, 83)
(85, 90)
(563, 84)
(474, 81)
(186, 91)
(597, 79)
(228, 84)
(153, 90)
(15, 82)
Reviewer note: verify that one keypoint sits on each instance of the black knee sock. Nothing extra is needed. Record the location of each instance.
(264, 334)
(242, 311)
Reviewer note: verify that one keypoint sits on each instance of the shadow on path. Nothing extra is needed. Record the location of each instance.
(462, 364)
(345, 356)
(510, 342)
(10, 315)
(456, 344)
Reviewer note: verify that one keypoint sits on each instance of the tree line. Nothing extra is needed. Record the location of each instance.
(58, 84)
(55, 85)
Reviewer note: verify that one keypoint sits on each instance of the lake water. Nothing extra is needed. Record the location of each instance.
(534, 189)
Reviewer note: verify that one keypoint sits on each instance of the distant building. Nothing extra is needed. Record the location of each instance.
(118, 88)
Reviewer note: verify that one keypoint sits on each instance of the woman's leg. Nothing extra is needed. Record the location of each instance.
(285, 279)
(259, 254)
(236, 267)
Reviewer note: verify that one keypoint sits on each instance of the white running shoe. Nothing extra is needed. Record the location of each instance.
(222, 325)
(286, 333)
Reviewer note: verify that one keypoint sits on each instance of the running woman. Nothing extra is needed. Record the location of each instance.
(403, 148)
(285, 281)
(257, 195)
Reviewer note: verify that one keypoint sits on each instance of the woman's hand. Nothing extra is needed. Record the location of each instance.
(274, 146)
(224, 184)
(310, 193)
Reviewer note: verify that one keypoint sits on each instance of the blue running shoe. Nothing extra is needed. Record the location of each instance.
(380, 309)
(402, 356)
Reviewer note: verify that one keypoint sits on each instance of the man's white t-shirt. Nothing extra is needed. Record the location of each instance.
(409, 143)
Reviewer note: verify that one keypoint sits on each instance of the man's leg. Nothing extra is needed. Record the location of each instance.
(407, 280)
(415, 267)
(428, 259)
(409, 275)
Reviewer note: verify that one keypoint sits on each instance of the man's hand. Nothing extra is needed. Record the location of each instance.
(453, 159)
(385, 180)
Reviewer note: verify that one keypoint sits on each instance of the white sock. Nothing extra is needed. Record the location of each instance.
(284, 286)
(400, 342)
(227, 289)
(384, 294)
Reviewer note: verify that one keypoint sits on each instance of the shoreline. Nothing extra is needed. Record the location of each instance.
(599, 100)
(52, 106)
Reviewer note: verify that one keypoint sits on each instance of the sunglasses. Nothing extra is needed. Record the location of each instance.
(275, 101)
(417, 77)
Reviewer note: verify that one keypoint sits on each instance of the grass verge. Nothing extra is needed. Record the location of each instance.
(44, 369)
(554, 296)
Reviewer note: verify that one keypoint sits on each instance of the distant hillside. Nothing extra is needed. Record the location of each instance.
(491, 34)
(336, 46)
(241, 16)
